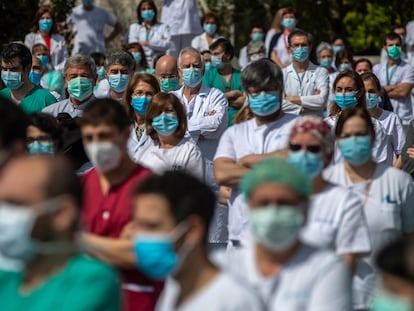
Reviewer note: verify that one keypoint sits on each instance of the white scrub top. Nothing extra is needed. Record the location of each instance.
(388, 205)
(312, 280)
(335, 221)
(394, 130)
(200, 42)
(186, 156)
(248, 138)
(281, 49)
(314, 79)
(401, 73)
(182, 17)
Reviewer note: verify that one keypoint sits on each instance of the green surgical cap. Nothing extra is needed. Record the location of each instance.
(275, 170)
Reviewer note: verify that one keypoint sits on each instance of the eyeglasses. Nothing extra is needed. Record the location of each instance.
(40, 139)
(310, 148)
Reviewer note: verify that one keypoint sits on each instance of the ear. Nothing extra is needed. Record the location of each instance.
(66, 215)
(197, 230)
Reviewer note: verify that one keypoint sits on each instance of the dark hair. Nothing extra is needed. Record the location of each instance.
(42, 10)
(261, 73)
(335, 109)
(186, 196)
(398, 26)
(385, 100)
(98, 57)
(213, 16)
(47, 123)
(336, 37)
(107, 111)
(143, 63)
(155, 108)
(153, 7)
(361, 112)
(392, 36)
(225, 45)
(13, 123)
(136, 78)
(300, 33)
(362, 60)
(123, 58)
(342, 54)
(17, 50)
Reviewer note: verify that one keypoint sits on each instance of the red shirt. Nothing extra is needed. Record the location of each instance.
(106, 215)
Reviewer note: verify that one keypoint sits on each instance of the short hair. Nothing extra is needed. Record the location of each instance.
(392, 36)
(361, 112)
(105, 111)
(343, 54)
(40, 11)
(122, 58)
(372, 77)
(362, 60)
(300, 33)
(47, 123)
(17, 50)
(156, 107)
(225, 44)
(13, 124)
(39, 47)
(143, 63)
(185, 194)
(323, 46)
(136, 78)
(261, 73)
(98, 57)
(189, 50)
(78, 60)
(153, 7)
(212, 15)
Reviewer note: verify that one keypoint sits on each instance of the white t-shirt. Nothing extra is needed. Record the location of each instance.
(312, 280)
(388, 205)
(181, 16)
(223, 293)
(248, 138)
(335, 220)
(186, 156)
(200, 42)
(281, 49)
(89, 29)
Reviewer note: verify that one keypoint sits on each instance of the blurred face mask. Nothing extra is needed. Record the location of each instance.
(257, 36)
(148, 15)
(118, 82)
(80, 88)
(288, 23)
(35, 77)
(100, 71)
(356, 149)
(210, 28)
(300, 54)
(165, 124)
(326, 62)
(345, 100)
(45, 24)
(140, 104)
(265, 103)
(372, 100)
(192, 76)
(105, 156)
(307, 162)
(389, 302)
(394, 52)
(36, 148)
(217, 61)
(12, 79)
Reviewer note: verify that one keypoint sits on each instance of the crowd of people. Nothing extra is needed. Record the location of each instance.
(176, 179)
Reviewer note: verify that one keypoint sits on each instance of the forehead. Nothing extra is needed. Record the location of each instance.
(257, 29)
(218, 49)
(79, 70)
(275, 192)
(46, 15)
(326, 52)
(299, 38)
(166, 66)
(305, 139)
(369, 84)
(346, 82)
(354, 124)
(143, 86)
(99, 128)
(118, 67)
(33, 131)
(36, 61)
(392, 41)
(362, 65)
(14, 62)
(152, 208)
(190, 57)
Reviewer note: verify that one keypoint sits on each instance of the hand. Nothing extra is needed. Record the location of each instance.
(224, 195)
(212, 113)
(143, 43)
(127, 231)
(410, 152)
(250, 160)
(316, 92)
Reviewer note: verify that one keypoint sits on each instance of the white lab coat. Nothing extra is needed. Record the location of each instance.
(200, 42)
(182, 17)
(58, 50)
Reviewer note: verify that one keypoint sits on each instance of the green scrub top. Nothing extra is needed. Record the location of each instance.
(82, 284)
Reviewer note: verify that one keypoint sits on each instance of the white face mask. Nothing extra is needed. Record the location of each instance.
(104, 156)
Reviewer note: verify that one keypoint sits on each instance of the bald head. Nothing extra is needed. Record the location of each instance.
(166, 67)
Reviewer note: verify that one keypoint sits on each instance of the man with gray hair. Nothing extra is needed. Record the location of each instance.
(80, 76)
(245, 144)
(206, 107)
(119, 68)
(306, 85)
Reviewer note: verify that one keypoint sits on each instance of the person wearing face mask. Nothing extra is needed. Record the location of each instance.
(138, 53)
(211, 27)
(206, 108)
(306, 85)
(256, 35)
(16, 64)
(386, 194)
(92, 39)
(389, 120)
(170, 149)
(172, 214)
(287, 273)
(166, 72)
(334, 219)
(39, 220)
(243, 145)
(324, 53)
(99, 59)
(105, 129)
(224, 76)
(344, 60)
(154, 37)
(45, 30)
(119, 67)
(397, 78)
(80, 76)
(401, 31)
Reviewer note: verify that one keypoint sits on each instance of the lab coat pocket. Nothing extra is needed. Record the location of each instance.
(391, 218)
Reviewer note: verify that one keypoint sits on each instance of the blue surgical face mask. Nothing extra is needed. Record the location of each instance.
(100, 71)
(118, 82)
(45, 24)
(148, 15)
(137, 57)
(169, 84)
(257, 36)
(394, 52)
(344, 66)
(207, 66)
(356, 150)
(35, 77)
(276, 227)
(12, 79)
(140, 104)
(40, 148)
(210, 28)
(372, 99)
(80, 88)
(307, 162)
(217, 61)
(337, 48)
(265, 103)
(44, 60)
(326, 62)
(346, 100)
(288, 23)
(165, 124)
(192, 76)
(300, 54)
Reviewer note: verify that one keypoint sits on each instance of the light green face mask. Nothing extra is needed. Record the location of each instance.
(389, 302)
(80, 88)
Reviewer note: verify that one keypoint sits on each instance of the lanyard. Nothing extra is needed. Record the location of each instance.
(226, 88)
(390, 75)
(284, 37)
